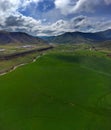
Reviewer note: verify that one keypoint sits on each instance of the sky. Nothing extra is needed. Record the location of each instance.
(55, 17)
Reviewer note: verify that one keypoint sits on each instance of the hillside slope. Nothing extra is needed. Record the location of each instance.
(77, 37)
(18, 38)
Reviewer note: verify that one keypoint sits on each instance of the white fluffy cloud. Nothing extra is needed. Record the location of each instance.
(77, 6)
(79, 23)
(85, 5)
(35, 27)
(68, 7)
(63, 5)
(13, 5)
(13, 20)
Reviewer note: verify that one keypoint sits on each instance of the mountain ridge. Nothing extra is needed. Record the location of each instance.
(76, 37)
(19, 38)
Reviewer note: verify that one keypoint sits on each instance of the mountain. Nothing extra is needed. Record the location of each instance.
(77, 37)
(19, 38)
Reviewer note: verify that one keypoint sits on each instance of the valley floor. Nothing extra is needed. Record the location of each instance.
(69, 88)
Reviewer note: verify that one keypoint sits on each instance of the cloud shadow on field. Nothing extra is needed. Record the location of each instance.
(68, 58)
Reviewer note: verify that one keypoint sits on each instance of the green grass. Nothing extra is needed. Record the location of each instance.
(60, 91)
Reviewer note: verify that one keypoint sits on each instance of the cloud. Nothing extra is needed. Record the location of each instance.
(10, 6)
(85, 5)
(79, 23)
(35, 27)
(68, 7)
(89, 24)
(18, 22)
(64, 6)
(77, 6)
(13, 20)
(57, 28)
(107, 2)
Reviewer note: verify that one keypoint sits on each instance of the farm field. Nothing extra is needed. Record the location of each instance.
(63, 90)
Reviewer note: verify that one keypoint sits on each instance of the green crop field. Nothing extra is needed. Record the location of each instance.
(60, 91)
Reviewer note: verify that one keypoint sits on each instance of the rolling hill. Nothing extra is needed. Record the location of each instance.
(18, 38)
(77, 37)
